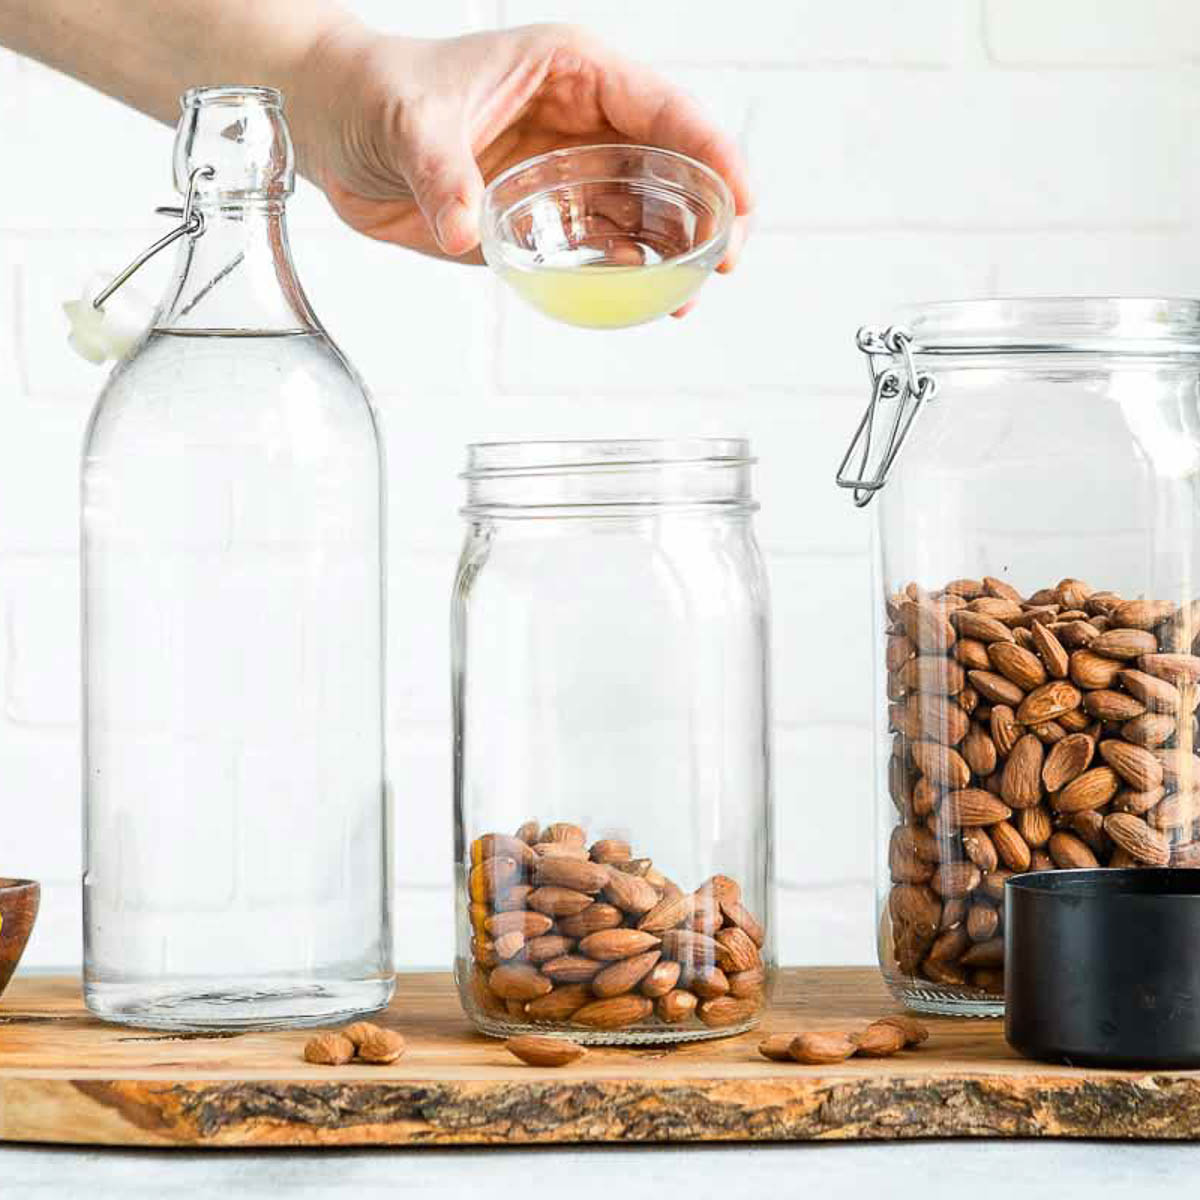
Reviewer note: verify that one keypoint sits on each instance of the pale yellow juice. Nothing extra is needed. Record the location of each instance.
(607, 297)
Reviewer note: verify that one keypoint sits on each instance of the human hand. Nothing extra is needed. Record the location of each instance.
(401, 133)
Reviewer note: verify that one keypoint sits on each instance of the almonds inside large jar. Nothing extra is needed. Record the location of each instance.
(1047, 731)
(594, 940)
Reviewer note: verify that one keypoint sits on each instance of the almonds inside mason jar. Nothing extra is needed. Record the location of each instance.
(587, 936)
(1048, 731)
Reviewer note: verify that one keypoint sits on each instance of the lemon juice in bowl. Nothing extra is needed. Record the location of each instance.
(605, 237)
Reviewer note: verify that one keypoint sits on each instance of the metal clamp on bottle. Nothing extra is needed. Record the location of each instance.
(99, 333)
(899, 381)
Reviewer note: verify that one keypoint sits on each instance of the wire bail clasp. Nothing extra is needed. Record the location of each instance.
(191, 225)
(902, 382)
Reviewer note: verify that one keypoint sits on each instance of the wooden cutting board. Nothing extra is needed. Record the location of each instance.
(65, 1077)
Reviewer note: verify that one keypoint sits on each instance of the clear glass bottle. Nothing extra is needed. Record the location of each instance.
(612, 742)
(1037, 549)
(236, 851)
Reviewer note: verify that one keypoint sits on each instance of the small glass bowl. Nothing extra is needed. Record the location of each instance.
(606, 237)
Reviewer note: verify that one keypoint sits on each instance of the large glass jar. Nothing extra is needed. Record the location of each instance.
(1038, 565)
(612, 742)
(236, 843)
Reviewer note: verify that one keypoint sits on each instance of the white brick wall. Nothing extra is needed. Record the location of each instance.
(903, 150)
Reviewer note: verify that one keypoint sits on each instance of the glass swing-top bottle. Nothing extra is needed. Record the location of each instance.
(236, 848)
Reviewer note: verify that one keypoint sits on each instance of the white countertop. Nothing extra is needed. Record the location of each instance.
(962, 1170)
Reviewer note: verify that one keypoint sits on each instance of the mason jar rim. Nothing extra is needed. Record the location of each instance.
(553, 456)
(224, 93)
(1114, 325)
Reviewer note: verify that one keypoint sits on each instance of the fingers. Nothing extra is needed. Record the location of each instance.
(440, 168)
(646, 108)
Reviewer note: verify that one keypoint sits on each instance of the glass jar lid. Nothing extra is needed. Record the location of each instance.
(1059, 324)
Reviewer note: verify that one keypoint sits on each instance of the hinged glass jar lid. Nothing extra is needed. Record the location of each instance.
(612, 742)
(1032, 470)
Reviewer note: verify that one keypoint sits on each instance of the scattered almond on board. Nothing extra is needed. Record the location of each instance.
(880, 1039)
(361, 1042)
(544, 1051)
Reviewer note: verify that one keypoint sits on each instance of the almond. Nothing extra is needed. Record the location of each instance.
(777, 1047)
(595, 917)
(500, 845)
(748, 983)
(1180, 769)
(548, 946)
(1070, 852)
(544, 1051)
(933, 673)
(706, 982)
(979, 849)
(1175, 812)
(948, 946)
(982, 922)
(491, 876)
(1005, 730)
(1067, 760)
(1136, 765)
(1021, 783)
(528, 924)
(609, 944)
(1089, 825)
(513, 898)
(941, 765)
(736, 913)
(979, 750)
(984, 954)
(995, 688)
(610, 850)
(625, 975)
(617, 1012)
(1156, 694)
(1106, 705)
(899, 650)
(968, 589)
(914, 1032)
(630, 893)
(559, 901)
(933, 717)
(1075, 635)
(1150, 730)
(560, 850)
(822, 1047)
(723, 1011)
(973, 806)
(563, 831)
(1137, 803)
(660, 979)
(994, 606)
(668, 914)
(879, 1041)
(992, 886)
(1072, 593)
(1034, 825)
(1092, 789)
(916, 906)
(706, 914)
(578, 875)
(926, 627)
(693, 949)
(329, 1050)
(674, 1007)
(972, 654)
(955, 879)
(528, 833)
(1047, 702)
(1049, 732)
(1090, 670)
(1019, 666)
(721, 887)
(559, 1004)
(382, 1046)
(743, 953)
(571, 968)
(518, 981)
(1137, 839)
(1177, 669)
(1011, 846)
(1053, 654)
(1123, 644)
(979, 627)
(509, 945)
(1141, 614)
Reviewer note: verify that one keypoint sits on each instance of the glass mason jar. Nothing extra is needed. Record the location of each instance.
(612, 742)
(1037, 543)
(236, 850)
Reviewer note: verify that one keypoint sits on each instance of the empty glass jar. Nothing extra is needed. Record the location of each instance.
(612, 742)
(1038, 560)
(236, 827)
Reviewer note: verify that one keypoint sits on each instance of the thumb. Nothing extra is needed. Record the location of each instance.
(441, 170)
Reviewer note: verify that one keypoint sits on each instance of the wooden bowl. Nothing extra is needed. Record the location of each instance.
(18, 911)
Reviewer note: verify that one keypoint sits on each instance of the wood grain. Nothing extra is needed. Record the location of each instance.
(65, 1077)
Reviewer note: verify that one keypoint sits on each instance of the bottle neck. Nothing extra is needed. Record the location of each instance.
(236, 276)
